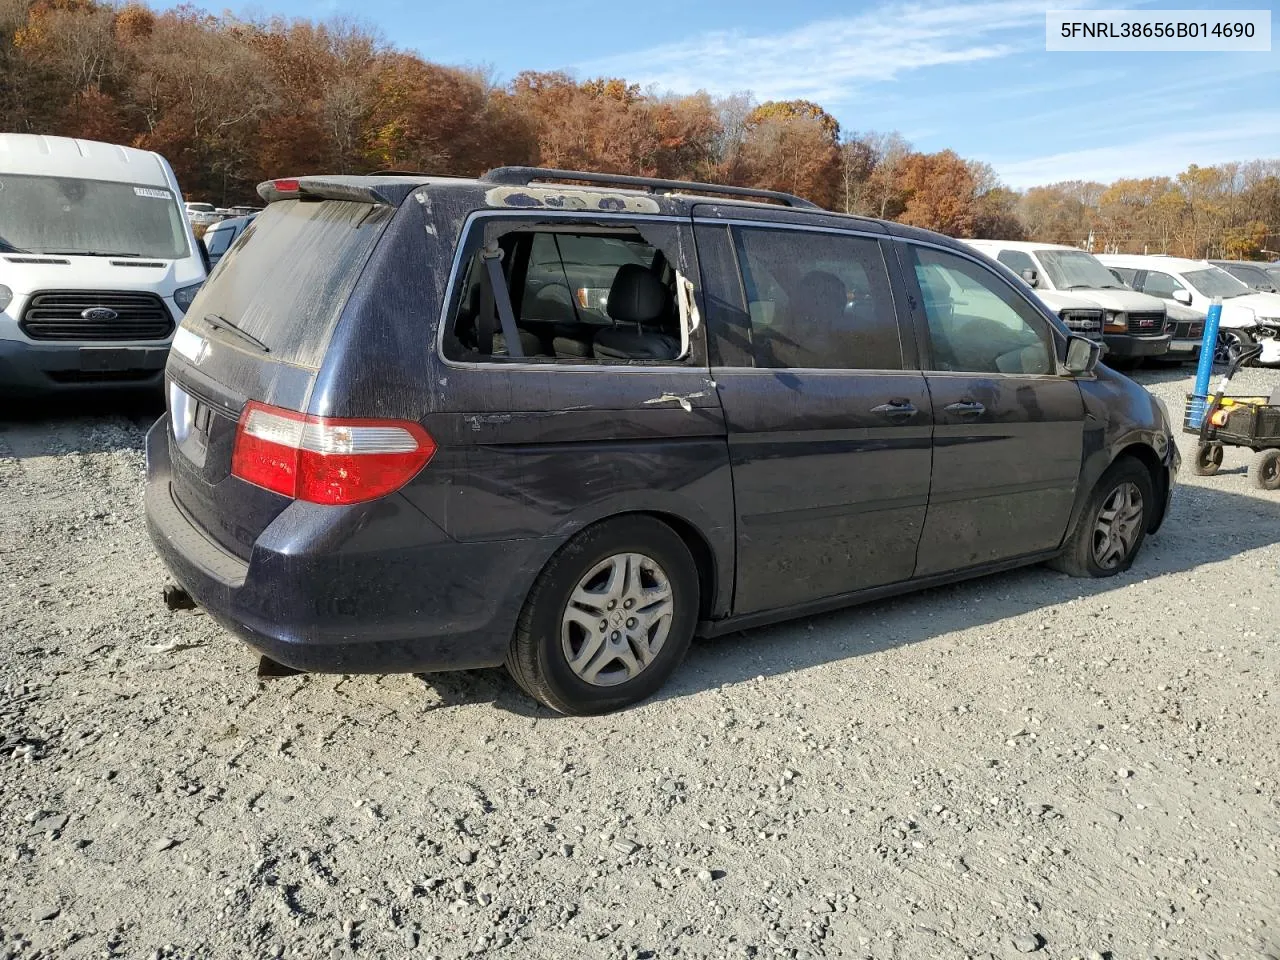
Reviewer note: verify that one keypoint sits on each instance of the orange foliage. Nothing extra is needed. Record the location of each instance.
(939, 191)
(796, 110)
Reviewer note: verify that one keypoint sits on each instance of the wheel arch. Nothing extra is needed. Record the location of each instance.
(714, 593)
(1103, 457)
(704, 559)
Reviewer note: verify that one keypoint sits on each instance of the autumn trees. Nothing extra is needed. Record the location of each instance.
(231, 102)
(792, 146)
(1231, 210)
(610, 125)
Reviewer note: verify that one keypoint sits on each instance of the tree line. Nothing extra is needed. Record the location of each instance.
(231, 102)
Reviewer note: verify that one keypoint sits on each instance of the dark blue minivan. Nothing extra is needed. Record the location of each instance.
(564, 421)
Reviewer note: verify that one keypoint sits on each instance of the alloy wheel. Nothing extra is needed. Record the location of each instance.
(1227, 340)
(1117, 526)
(617, 619)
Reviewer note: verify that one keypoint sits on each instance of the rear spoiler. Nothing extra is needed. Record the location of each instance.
(387, 191)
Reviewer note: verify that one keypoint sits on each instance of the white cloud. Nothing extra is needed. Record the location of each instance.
(827, 60)
(1232, 137)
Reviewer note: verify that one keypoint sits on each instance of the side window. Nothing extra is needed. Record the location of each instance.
(817, 300)
(1160, 285)
(581, 292)
(723, 302)
(1017, 261)
(219, 241)
(977, 324)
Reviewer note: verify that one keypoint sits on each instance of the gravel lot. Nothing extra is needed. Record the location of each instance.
(1022, 764)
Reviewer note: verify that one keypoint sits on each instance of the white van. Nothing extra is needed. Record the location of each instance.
(1247, 315)
(97, 264)
(1135, 325)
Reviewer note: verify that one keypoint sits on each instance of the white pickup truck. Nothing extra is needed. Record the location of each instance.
(1134, 325)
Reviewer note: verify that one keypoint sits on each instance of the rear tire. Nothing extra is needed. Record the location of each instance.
(1266, 470)
(609, 618)
(1208, 458)
(1112, 525)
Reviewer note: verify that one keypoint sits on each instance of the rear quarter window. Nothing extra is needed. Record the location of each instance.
(288, 282)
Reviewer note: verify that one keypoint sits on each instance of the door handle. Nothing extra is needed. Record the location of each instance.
(966, 408)
(896, 408)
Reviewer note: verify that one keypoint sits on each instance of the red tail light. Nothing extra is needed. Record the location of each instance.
(327, 460)
(286, 186)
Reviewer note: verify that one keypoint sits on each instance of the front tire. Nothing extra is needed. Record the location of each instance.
(1112, 525)
(609, 618)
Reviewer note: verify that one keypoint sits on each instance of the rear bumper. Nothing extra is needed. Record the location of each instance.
(38, 368)
(1126, 345)
(372, 588)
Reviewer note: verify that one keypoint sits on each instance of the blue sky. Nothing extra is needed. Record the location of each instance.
(974, 77)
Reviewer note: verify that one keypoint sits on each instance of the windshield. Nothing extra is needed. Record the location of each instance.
(96, 217)
(1077, 270)
(1216, 282)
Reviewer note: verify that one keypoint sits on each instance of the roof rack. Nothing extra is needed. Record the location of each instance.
(523, 176)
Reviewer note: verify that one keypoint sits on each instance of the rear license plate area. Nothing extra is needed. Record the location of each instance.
(109, 359)
(190, 420)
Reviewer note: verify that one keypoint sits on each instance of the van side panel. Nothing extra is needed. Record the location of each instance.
(541, 450)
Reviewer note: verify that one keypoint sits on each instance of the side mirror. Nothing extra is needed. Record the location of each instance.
(1031, 277)
(1082, 355)
(1183, 297)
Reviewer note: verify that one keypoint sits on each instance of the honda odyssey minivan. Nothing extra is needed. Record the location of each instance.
(418, 423)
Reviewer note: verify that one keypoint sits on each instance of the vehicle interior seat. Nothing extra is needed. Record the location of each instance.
(572, 345)
(638, 303)
(530, 344)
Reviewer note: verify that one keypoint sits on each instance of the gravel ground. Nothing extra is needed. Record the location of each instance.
(1022, 764)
